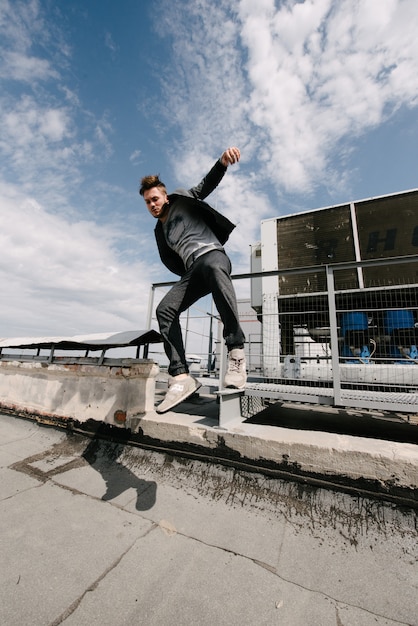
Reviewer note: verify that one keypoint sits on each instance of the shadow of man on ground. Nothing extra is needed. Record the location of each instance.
(103, 455)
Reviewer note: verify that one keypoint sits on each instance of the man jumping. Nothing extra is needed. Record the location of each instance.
(190, 236)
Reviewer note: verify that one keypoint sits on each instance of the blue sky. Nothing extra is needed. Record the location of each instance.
(321, 96)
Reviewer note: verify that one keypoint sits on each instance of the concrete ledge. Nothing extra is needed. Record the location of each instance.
(363, 466)
(79, 392)
(309, 453)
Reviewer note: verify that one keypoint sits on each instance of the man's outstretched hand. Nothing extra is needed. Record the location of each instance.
(230, 156)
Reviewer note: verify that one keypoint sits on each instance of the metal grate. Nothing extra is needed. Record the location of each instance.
(251, 405)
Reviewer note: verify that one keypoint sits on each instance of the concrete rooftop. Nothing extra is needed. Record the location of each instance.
(115, 532)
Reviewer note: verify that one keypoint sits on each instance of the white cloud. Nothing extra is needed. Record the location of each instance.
(39, 149)
(135, 157)
(288, 81)
(109, 42)
(47, 136)
(102, 133)
(28, 124)
(18, 21)
(20, 67)
(321, 71)
(63, 278)
(54, 124)
(206, 102)
(61, 274)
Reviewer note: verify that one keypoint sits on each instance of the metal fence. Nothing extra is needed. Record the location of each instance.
(327, 334)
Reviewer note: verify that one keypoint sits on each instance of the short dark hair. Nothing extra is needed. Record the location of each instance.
(148, 182)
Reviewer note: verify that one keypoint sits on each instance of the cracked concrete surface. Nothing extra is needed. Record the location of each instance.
(96, 532)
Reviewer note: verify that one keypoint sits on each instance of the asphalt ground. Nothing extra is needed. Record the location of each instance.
(98, 531)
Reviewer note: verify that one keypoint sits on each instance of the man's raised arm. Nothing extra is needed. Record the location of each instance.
(215, 175)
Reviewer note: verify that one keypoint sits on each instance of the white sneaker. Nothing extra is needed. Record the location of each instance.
(177, 392)
(236, 373)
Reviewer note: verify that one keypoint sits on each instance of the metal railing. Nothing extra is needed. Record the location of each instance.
(351, 345)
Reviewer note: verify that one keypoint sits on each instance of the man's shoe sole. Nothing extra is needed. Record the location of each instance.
(177, 402)
(235, 387)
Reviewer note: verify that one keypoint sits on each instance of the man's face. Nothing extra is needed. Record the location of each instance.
(156, 200)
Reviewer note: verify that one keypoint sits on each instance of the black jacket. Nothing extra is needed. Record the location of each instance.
(193, 198)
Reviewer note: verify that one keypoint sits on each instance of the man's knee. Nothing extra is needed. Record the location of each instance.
(165, 311)
(161, 310)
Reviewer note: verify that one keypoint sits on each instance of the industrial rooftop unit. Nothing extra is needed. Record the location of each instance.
(337, 294)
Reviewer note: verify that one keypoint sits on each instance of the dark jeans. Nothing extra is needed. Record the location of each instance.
(210, 273)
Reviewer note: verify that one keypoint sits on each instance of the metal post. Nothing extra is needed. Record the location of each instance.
(222, 362)
(186, 334)
(335, 353)
(150, 307)
(210, 344)
(356, 242)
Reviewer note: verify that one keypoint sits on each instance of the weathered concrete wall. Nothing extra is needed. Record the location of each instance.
(111, 394)
(386, 467)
